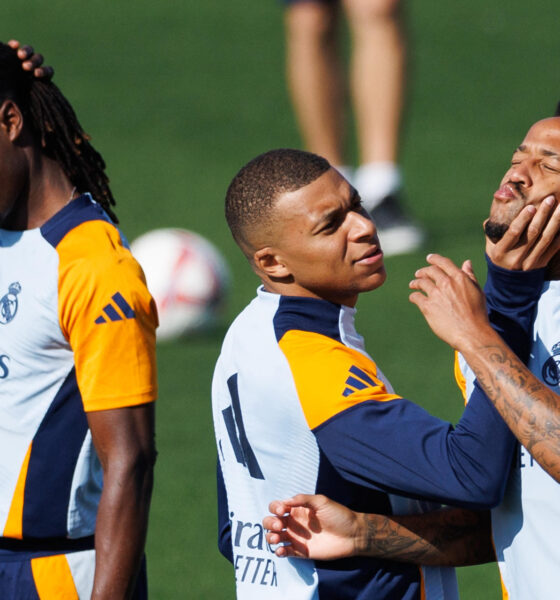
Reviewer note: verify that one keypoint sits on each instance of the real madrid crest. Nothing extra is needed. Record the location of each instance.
(550, 370)
(9, 303)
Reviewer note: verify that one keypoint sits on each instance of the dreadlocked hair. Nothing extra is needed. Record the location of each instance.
(53, 122)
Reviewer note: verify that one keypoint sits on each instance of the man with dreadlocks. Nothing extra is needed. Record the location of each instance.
(77, 360)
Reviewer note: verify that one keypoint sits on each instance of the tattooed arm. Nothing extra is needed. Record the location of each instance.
(454, 307)
(315, 527)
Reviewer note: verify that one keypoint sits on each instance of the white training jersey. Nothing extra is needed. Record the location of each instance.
(526, 525)
(293, 371)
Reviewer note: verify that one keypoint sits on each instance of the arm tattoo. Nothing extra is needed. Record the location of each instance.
(530, 409)
(445, 537)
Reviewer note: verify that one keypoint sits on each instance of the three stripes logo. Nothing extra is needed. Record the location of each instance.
(358, 380)
(112, 314)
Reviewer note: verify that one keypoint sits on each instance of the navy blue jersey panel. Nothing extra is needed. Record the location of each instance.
(398, 447)
(368, 579)
(331, 483)
(511, 298)
(224, 523)
(307, 314)
(75, 213)
(355, 578)
(58, 441)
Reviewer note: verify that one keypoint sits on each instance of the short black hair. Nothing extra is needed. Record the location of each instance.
(53, 123)
(253, 192)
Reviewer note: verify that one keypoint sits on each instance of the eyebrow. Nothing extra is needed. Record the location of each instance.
(325, 217)
(542, 151)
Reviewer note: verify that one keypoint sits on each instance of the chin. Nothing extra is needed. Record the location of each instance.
(376, 280)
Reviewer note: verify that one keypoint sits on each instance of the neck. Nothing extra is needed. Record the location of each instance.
(47, 191)
(295, 290)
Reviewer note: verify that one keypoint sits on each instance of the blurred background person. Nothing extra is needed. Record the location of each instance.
(377, 71)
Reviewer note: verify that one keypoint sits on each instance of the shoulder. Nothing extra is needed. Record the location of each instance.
(82, 210)
(88, 242)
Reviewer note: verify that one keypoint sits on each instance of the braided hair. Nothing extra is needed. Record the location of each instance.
(54, 124)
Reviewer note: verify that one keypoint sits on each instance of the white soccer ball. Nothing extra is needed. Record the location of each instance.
(187, 277)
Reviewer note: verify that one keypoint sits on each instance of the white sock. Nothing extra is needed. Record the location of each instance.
(374, 181)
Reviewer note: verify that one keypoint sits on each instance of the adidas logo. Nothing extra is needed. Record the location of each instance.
(357, 380)
(111, 312)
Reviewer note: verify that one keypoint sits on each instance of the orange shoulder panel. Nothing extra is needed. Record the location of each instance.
(108, 317)
(329, 376)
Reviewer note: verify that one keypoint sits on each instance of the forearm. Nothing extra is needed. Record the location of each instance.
(120, 531)
(530, 409)
(448, 537)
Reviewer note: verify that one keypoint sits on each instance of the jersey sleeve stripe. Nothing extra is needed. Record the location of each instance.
(14, 523)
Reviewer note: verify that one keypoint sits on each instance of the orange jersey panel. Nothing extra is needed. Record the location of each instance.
(108, 317)
(320, 367)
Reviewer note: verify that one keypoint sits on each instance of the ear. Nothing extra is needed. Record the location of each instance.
(269, 262)
(11, 119)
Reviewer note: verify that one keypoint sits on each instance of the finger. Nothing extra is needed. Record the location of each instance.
(516, 229)
(278, 507)
(467, 268)
(35, 60)
(274, 523)
(424, 285)
(552, 250)
(311, 501)
(445, 265)
(286, 551)
(432, 272)
(24, 52)
(277, 537)
(546, 246)
(44, 72)
(541, 218)
(419, 299)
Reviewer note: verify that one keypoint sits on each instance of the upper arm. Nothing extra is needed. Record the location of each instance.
(375, 438)
(124, 436)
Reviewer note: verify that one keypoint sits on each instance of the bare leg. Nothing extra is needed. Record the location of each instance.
(315, 76)
(377, 83)
(377, 76)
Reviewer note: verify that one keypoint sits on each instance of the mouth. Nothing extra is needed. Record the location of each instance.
(373, 255)
(507, 192)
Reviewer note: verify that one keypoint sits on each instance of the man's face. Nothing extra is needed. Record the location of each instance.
(534, 174)
(327, 241)
(12, 164)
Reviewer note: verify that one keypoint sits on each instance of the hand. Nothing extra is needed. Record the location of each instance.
(32, 61)
(531, 240)
(314, 526)
(450, 300)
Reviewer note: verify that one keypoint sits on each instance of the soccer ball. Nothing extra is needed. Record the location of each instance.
(187, 277)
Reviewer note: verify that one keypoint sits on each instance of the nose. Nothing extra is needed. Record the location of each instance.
(520, 174)
(362, 226)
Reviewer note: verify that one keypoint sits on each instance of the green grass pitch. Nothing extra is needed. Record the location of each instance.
(178, 95)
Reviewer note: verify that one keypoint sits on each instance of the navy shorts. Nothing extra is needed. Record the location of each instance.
(30, 574)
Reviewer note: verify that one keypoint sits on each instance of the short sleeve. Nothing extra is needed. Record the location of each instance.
(108, 316)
